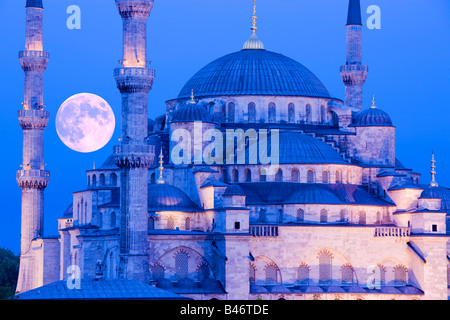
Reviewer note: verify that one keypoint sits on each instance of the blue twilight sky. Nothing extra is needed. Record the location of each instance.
(408, 60)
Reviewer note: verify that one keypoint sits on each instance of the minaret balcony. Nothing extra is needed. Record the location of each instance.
(34, 54)
(130, 155)
(33, 60)
(354, 68)
(33, 118)
(134, 79)
(34, 179)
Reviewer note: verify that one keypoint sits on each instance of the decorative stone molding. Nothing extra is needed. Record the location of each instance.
(33, 179)
(134, 9)
(33, 119)
(134, 79)
(134, 156)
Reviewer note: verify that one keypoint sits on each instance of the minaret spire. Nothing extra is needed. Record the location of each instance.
(433, 182)
(354, 73)
(32, 178)
(253, 42)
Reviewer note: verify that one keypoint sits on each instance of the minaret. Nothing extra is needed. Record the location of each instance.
(32, 178)
(134, 156)
(354, 73)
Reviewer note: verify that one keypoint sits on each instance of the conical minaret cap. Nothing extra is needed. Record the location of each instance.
(34, 4)
(354, 13)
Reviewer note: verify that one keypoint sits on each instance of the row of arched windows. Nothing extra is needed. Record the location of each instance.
(272, 113)
(325, 275)
(112, 219)
(92, 181)
(311, 176)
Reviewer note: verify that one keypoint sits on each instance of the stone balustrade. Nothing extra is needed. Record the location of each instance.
(264, 230)
(389, 232)
(34, 54)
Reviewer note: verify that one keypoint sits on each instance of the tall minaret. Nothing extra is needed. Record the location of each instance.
(32, 178)
(354, 73)
(134, 156)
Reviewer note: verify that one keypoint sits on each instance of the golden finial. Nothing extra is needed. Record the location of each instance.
(433, 182)
(254, 18)
(192, 97)
(373, 102)
(253, 42)
(161, 169)
(93, 166)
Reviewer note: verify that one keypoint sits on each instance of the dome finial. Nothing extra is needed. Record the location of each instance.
(433, 182)
(161, 169)
(373, 102)
(192, 97)
(253, 42)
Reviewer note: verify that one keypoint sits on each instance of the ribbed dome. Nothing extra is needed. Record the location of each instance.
(254, 72)
(298, 148)
(191, 113)
(438, 193)
(372, 117)
(164, 197)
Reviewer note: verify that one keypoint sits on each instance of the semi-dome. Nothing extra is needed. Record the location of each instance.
(299, 148)
(164, 197)
(191, 113)
(372, 117)
(254, 72)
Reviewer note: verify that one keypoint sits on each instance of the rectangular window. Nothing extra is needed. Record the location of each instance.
(237, 225)
(434, 228)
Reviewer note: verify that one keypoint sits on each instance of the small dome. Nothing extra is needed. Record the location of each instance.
(109, 164)
(69, 212)
(191, 113)
(438, 193)
(164, 197)
(233, 190)
(372, 117)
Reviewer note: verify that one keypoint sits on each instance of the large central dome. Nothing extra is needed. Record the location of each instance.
(254, 72)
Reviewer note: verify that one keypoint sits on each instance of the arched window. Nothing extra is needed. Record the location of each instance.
(231, 112)
(295, 175)
(153, 178)
(338, 176)
(326, 176)
(262, 175)
(271, 273)
(248, 175)
(100, 219)
(291, 113)
(158, 272)
(323, 115)
(379, 275)
(181, 265)
(325, 267)
(94, 180)
(378, 217)
(362, 217)
(151, 223)
(300, 215)
(235, 175)
(303, 274)
(89, 181)
(252, 273)
(102, 179)
(279, 175)
(262, 215)
(187, 224)
(251, 112)
(272, 112)
(310, 177)
(112, 222)
(349, 177)
(171, 223)
(347, 274)
(113, 179)
(342, 215)
(400, 272)
(323, 216)
(280, 216)
(308, 114)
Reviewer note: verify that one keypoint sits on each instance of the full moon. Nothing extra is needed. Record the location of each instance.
(85, 122)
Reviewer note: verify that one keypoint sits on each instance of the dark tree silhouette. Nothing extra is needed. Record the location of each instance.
(9, 271)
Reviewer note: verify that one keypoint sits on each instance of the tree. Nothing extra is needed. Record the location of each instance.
(9, 271)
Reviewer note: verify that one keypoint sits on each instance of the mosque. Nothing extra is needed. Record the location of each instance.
(254, 183)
